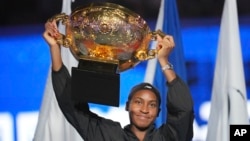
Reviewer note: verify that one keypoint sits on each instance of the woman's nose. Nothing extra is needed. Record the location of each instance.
(144, 108)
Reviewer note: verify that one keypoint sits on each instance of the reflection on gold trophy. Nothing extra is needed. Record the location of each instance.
(106, 38)
(109, 33)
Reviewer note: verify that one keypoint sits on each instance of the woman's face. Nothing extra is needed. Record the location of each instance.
(143, 109)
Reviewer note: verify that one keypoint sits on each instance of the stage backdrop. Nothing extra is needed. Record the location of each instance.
(25, 62)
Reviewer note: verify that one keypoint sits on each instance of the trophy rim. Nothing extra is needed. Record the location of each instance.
(102, 6)
(107, 5)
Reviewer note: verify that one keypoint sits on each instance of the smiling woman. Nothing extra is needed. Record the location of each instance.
(143, 106)
(25, 63)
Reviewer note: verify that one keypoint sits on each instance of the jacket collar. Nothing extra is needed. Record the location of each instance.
(149, 133)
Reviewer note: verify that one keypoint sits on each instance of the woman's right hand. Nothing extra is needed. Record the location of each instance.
(50, 33)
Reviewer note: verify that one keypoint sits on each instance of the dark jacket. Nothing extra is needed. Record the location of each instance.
(91, 127)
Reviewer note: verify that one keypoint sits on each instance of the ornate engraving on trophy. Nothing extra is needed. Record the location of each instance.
(109, 33)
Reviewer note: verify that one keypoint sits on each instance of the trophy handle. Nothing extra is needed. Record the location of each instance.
(64, 40)
(150, 54)
(157, 32)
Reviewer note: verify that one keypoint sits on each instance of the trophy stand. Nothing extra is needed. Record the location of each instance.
(96, 82)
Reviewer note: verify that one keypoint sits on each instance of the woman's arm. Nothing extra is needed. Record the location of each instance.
(165, 46)
(61, 79)
(180, 116)
(89, 125)
(49, 35)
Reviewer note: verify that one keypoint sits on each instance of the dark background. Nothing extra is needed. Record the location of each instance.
(19, 12)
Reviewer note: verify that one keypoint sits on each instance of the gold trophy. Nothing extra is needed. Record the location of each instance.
(106, 39)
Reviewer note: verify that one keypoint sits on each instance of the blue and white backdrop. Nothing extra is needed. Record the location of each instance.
(25, 64)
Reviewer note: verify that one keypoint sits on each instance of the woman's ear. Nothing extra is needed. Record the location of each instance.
(127, 106)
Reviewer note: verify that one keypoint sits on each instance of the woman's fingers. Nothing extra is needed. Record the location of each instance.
(168, 41)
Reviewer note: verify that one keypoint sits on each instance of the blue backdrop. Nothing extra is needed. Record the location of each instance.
(25, 62)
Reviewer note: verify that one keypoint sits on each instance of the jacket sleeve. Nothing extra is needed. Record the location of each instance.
(180, 116)
(61, 81)
(88, 124)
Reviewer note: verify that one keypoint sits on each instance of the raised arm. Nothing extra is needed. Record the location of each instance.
(180, 116)
(87, 124)
(164, 46)
(49, 35)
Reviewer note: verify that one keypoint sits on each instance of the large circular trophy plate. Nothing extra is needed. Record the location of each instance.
(109, 33)
(107, 39)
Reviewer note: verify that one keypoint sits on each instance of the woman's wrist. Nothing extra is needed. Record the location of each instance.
(168, 66)
(163, 61)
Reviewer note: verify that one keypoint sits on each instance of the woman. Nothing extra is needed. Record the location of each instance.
(143, 103)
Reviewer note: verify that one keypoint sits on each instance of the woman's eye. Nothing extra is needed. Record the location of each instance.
(138, 102)
(153, 105)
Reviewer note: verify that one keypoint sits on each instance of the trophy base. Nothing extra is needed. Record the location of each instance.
(96, 82)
